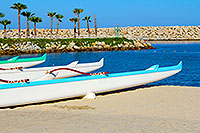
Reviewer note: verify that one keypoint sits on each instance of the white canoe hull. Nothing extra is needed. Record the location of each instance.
(47, 92)
(38, 74)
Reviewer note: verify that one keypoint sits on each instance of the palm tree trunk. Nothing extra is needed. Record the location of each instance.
(88, 28)
(19, 23)
(75, 30)
(57, 29)
(34, 30)
(78, 26)
(5, 32)
(95, 25)
(27, 32)
(51, 26)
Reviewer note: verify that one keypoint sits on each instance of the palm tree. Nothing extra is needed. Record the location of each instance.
(77, 12)
(58, 17)
(74, 20)
(2, 15)
(5, 23)
(88, 20)
(35, 20)
(51, 14)
(19, 7)
(27, 15)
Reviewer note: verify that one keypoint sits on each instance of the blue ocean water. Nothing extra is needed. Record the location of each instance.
(124, 61)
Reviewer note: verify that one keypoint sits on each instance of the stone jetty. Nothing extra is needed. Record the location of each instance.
(32, 46)
(149, 33)
(132, 38)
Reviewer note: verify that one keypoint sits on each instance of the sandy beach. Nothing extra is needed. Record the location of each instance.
(143, 109)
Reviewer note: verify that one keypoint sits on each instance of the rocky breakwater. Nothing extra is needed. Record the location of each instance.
(30, 46)
(146, 33)
(163, 33)
(20, 48)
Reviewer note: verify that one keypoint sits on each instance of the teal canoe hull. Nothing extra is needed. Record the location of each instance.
(83, 78)
(42, 91)
(18, 60)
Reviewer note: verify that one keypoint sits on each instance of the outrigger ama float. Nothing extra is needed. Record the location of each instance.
(41, 91)
(17, 63)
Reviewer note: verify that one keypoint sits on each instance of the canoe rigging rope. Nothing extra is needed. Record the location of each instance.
(14, 68)
(27, 80)
(91, 74)
(15, 81)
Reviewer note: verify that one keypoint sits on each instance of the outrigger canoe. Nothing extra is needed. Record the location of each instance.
(17, 62)
(48, 73)
(41, 91)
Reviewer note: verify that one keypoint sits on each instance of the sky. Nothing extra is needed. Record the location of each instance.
(109, 12)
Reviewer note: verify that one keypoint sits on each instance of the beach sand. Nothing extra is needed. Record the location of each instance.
(141, 110)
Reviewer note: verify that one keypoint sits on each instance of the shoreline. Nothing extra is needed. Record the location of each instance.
(141, 109)
(37, 46)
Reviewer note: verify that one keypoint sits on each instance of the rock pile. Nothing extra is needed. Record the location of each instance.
(65, 45)
(19, 48)
(145, 33)
(175, 33)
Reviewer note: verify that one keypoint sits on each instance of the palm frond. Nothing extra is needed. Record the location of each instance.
(35, 19)
(58, 16)
(87, 18)
(51, 14)
(5, 22)
(27, 14)
(18, 6)
(2, 15)
(78, 11)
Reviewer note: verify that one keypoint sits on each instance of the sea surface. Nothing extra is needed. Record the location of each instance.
(124, 61)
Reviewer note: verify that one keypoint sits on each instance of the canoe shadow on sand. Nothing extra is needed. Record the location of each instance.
(80, 97)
